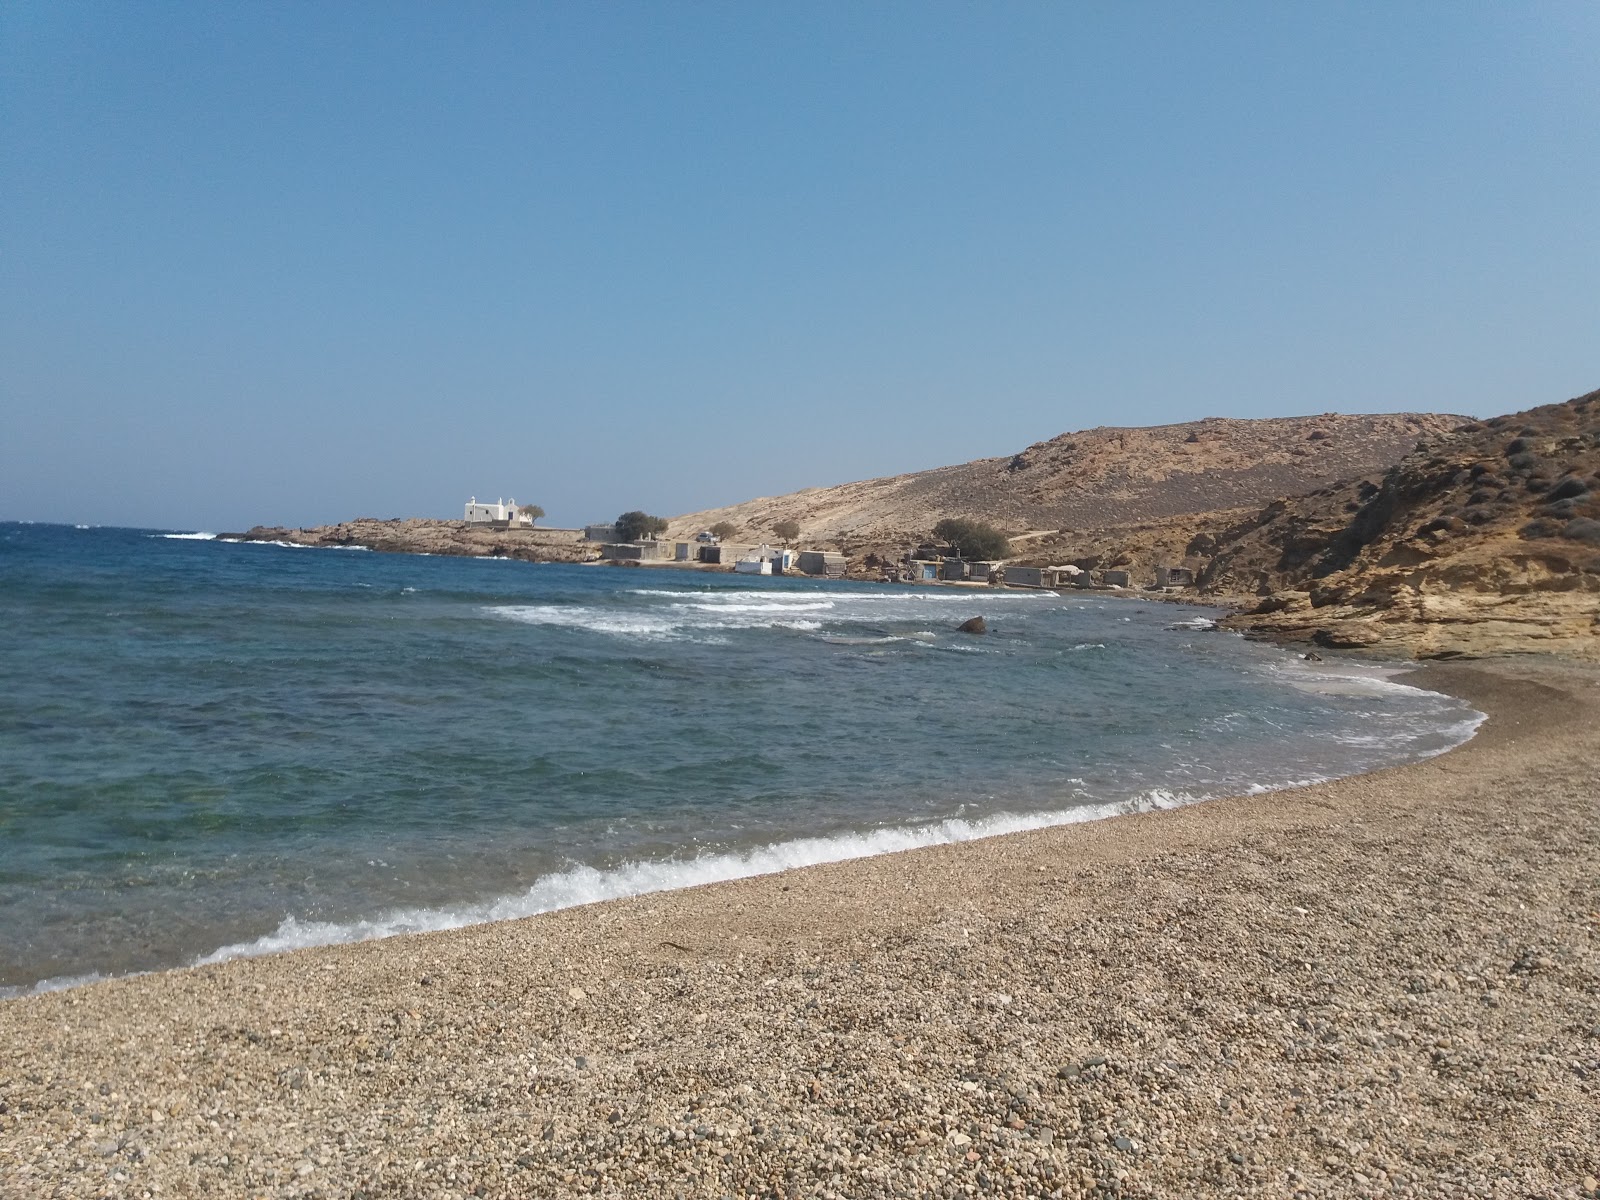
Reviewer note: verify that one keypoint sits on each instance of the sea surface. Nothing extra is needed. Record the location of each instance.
(211, 749)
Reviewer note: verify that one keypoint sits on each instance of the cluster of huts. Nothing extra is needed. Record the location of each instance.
(746, 560)
(925, 566)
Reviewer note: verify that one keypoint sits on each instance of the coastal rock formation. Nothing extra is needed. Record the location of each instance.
(1484, 540)
(1095, 478)
(973, 625)
(424, 536)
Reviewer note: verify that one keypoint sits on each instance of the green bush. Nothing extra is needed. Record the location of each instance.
(631, 526)
(973, 539)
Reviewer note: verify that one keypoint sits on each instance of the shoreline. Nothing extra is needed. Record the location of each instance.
(1383, 984)
(582, 885)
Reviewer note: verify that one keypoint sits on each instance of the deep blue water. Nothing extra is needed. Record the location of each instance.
(211, 748)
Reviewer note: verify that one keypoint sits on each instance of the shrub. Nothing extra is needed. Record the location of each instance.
(631, 526)
(973, 539)
(1583, 529)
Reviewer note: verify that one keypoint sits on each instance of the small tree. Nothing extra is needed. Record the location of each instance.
(787, 530)
(532, 511)
(973, 539)
(723, 530)
(631, 526)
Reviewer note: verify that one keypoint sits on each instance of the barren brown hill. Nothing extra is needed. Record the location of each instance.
(1483, 540)
(1095, 478)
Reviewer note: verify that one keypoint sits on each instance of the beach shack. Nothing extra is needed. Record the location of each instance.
(755, 563)
(924, 570)
(782, 560)
(646, 551)
(1174, 577)
(954, 570)
(709, 553)
(822, 562)
(1116, 579)
(981, 572)
(599, 533)
(1066, 576)
(1025, 577)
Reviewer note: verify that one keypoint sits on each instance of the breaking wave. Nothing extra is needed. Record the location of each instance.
(285, 545)
(664, 614)
(588, 885)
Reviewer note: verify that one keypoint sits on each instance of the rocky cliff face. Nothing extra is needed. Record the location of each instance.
(1483, 540)
(1093, 479)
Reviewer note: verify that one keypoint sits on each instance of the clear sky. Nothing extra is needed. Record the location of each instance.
(295, 262)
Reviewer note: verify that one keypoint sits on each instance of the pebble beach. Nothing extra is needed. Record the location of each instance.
(1388, 985)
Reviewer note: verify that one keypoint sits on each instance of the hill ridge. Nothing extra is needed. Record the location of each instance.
(1105, 475)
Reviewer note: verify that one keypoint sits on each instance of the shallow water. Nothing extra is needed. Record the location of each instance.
(209, 749)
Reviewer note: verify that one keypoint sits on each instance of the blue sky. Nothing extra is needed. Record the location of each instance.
(295, 263)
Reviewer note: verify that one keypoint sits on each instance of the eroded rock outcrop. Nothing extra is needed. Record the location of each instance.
(1482, 541)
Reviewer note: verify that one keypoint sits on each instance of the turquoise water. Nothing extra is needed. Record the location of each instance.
(209, 749)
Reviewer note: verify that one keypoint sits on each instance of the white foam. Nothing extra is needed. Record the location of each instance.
(586, 885)
(1376, 679)
(741, 595)
(187, 537)
(691, 614)
(801, 606)
(286, 545)
(58, 983)
(1346, 679)
(659, 624)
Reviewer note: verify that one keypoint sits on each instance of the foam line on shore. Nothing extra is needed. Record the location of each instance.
(582, 884)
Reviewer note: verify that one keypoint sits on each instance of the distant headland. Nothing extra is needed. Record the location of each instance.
(1420, 534)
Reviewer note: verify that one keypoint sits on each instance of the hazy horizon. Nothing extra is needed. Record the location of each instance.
(294, 266)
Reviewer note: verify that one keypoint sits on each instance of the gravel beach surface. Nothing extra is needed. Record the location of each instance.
(1387, 985)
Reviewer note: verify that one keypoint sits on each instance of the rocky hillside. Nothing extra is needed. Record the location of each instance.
(1483, 540)
(1093, 479)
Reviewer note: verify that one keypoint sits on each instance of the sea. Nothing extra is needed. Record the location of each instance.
(211, 749)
